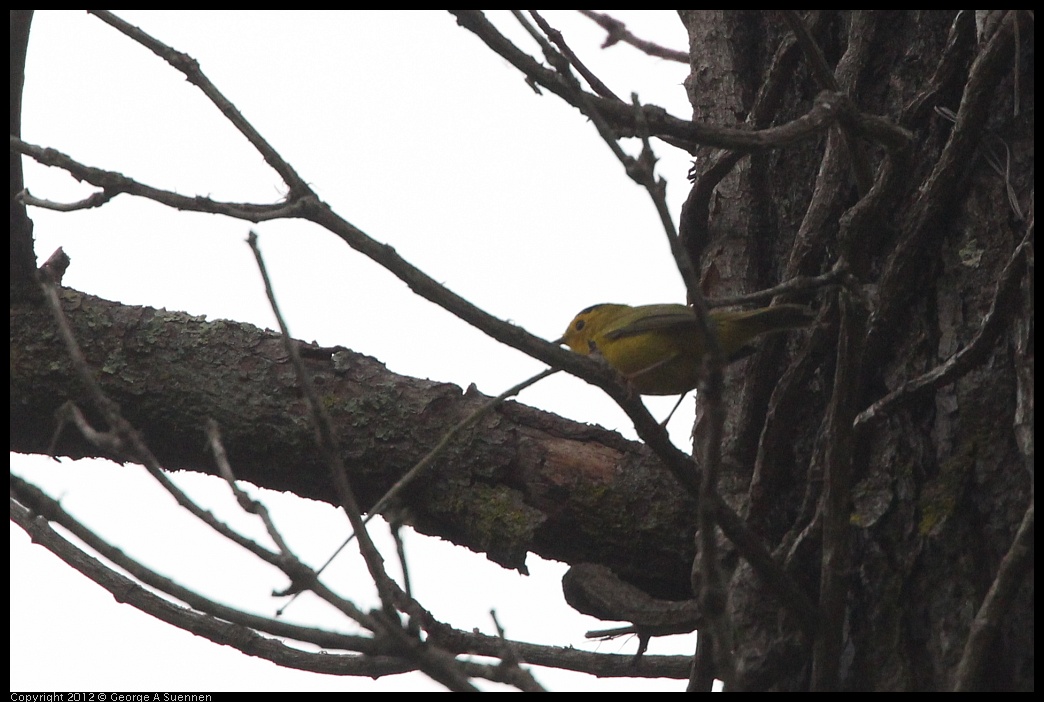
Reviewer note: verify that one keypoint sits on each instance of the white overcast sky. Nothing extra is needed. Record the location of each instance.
(413, 131)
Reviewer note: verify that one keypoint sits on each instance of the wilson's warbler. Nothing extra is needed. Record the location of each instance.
(659, 349)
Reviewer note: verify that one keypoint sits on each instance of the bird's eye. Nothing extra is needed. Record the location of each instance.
(580, 324)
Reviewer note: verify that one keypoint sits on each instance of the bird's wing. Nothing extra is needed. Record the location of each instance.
(651, 318)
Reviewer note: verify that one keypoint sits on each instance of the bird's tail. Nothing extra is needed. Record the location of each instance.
(776, 318)
(740, 328)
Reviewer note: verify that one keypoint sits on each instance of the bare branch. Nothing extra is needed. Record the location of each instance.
(190, 68)
(617, 31)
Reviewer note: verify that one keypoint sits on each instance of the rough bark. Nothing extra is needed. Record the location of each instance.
(939, 484)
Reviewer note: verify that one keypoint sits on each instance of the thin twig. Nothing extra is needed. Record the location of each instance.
(801, 284)
(113, 183)
(687, 133)
(511, 668)
(326, 441)
(616, 31)
(190, 68)
(91, 201)
(249, 505)
(51, 510)
(376, 660)
(433, 661)
(555, 36)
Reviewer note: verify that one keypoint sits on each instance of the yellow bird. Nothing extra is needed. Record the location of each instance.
(659, 349)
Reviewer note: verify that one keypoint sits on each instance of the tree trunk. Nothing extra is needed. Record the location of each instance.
(939, 479)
